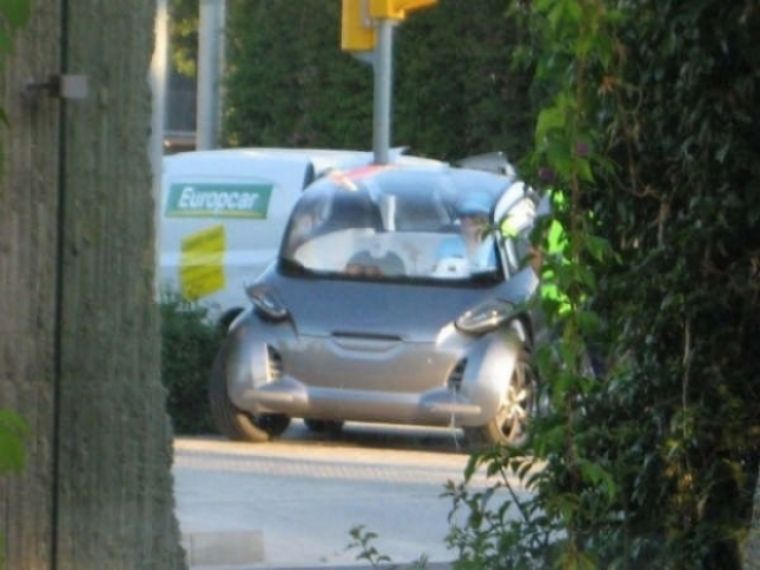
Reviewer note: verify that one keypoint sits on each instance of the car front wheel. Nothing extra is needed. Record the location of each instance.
(232, 422)
(509, 425)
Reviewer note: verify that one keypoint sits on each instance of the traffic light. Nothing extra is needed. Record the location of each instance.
(357, 31)
(397, 9)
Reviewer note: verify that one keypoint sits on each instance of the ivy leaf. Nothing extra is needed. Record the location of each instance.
(472, 465)
(599, 248)
(547, 441)
(584, 169)
(558, 155)
(589, 322)
(548, 120)
(543, 361)
(596, 475)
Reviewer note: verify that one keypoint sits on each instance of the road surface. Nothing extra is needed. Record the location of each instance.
(292, 502)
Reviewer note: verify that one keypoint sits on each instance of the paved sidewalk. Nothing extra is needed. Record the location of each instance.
(291, 503)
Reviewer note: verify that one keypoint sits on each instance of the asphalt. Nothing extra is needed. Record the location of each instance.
(291, 503)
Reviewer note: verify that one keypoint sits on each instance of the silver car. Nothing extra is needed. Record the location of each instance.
(398, 296)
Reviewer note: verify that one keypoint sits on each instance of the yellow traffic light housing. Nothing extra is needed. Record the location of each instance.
(357, 31)
(397, 9)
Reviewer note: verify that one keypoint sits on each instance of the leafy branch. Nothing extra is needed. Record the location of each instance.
(363, 542)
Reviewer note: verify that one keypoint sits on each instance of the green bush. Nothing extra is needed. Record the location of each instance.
(288, 83)
(189, 343)
(648, 129)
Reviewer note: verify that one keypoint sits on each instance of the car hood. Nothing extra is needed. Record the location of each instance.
(411, 312)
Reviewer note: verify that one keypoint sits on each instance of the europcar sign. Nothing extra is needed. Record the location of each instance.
(218, 201)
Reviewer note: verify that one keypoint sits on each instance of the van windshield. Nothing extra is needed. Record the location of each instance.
(410, 226)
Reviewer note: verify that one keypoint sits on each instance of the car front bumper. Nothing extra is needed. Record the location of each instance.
(455, 379)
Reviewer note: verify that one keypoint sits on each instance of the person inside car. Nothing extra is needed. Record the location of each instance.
(471, 251)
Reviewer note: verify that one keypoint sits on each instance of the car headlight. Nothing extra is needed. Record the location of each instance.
(267, 304)
(485, 317)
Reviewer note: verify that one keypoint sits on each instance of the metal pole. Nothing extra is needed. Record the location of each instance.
(210, 54)
(221, 63)
(381, 139)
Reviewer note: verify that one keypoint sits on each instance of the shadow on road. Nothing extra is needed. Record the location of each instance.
(382, 436)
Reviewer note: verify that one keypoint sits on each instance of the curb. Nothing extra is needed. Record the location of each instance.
(244, 550)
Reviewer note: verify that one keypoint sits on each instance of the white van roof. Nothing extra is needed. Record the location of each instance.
(248, 160)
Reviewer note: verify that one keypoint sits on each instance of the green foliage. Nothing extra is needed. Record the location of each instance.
(645, 132)
(567, 521)
(183, 35)
(189, 344)
(682, 126)
(289, 83)
(363, 542)
(455, 94)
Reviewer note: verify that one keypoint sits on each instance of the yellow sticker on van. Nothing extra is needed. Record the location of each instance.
(201, 270)
(196, 200)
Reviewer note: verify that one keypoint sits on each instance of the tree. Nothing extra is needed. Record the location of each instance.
(79, 343)
(647, 139)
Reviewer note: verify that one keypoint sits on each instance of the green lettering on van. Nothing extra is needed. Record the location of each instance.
(208, 200)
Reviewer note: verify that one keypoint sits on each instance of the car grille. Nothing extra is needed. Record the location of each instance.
(274, 364)
(457, 375)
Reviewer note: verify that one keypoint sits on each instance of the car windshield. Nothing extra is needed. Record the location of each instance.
(401, 224)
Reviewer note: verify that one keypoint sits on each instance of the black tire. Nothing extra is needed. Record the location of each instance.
(510, 428)
(232, 422)
(329, 427)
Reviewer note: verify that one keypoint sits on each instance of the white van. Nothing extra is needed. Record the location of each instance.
(223, 213)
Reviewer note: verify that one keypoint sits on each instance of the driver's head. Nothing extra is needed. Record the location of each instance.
(473, 219)
(473, 226)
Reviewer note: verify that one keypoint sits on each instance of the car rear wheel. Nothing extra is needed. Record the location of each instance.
(509, 426)
(232, 422)
(329, 427)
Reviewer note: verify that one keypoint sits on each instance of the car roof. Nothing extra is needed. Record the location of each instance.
(464, 183)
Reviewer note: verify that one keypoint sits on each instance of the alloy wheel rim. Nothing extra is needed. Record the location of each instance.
(515, 404)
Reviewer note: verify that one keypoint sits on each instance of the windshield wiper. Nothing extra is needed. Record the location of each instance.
(294, 267)
(485, 277)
